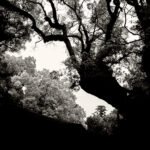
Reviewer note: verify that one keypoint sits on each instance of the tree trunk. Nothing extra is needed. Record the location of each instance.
(98, 80)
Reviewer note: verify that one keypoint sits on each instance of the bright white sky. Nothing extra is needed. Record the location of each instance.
(51, 56)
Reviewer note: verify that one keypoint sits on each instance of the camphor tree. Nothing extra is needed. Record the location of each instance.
(95, 34)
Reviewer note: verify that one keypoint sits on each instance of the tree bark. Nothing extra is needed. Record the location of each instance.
(97, 79)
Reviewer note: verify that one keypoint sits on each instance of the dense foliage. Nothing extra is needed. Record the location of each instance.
(42, 91)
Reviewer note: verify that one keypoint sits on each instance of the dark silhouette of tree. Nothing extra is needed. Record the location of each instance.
(95, 43)
(102, 124)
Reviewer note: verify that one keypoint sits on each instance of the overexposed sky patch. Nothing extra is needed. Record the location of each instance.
(90, 102)
(49, 56)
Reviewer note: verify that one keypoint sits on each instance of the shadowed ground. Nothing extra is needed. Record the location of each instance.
(20, 126)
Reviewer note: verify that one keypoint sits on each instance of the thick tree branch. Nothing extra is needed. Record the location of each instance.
(56, 24)
(53, 25)
(46, 38)
(54, 11)
(54, 38)
(82, 41)
(113, 18)
(63, 27)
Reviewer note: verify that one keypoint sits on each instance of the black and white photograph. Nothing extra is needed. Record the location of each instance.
(75, 72)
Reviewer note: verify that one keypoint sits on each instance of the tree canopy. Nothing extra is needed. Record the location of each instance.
(42, 92)
(101, 36)
(94, 41)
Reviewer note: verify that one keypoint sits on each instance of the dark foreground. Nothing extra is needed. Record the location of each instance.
(22, 127)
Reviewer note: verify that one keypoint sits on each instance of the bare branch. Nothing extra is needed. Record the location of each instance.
(53, 25)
